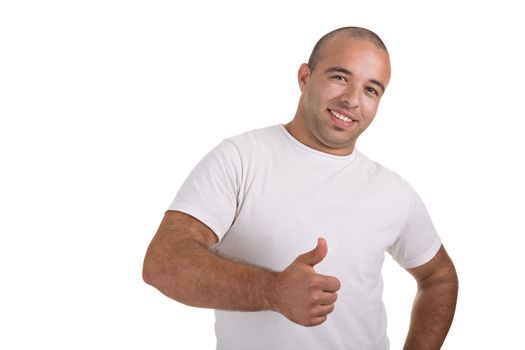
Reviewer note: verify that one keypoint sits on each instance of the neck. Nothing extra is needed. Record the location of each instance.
(301, 133)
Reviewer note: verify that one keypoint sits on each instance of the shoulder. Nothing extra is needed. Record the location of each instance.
(256, 136)
(257, 141)
(238, 145)
(385, 184)
(379, 173)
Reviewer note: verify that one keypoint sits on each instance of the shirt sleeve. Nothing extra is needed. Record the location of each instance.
(418, 241)
(210, 191)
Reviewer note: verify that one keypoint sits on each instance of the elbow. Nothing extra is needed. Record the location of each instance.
(149, 273)
(152, 269)
(166, 268)
(455, 285)
(453, 279)
(156, 275)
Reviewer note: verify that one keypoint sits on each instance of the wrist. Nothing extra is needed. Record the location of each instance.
(271, 291)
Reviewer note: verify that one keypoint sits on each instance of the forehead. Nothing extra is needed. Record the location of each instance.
(356, 55)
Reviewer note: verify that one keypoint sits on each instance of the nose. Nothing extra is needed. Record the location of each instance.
(350, 97)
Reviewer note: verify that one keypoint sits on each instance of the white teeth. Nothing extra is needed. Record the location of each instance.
(340, 116)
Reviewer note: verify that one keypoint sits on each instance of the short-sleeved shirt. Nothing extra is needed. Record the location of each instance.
(268, 198)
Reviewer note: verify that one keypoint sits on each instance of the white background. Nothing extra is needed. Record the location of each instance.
(107, 105)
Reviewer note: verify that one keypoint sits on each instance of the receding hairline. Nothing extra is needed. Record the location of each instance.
(349, 32)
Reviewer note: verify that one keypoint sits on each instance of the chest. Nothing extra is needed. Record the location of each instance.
(281, 213)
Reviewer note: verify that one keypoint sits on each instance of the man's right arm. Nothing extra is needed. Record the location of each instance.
(180, 264)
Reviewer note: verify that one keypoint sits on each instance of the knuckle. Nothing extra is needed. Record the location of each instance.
(313, 282)
(337, 283)
(313, 299)
(311, 323)
(320, 320)
(334, 298)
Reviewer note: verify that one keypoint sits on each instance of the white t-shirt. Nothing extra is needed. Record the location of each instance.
(268, 198)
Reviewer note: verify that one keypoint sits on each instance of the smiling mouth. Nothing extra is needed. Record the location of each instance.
(341, 116)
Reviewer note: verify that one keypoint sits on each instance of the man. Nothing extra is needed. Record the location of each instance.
(239, 235)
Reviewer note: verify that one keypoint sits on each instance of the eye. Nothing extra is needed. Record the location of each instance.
(372, 91)
(340, 78)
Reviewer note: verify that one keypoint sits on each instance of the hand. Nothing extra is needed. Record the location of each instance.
(302, 295)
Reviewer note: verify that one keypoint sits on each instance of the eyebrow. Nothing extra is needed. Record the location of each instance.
(347, 72)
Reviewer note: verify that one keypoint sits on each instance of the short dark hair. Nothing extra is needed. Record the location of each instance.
(352, 32)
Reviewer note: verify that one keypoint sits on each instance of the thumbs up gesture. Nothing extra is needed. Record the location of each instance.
(301, 294)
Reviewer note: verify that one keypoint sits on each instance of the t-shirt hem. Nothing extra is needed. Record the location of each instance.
(423, 259)
(200, 215)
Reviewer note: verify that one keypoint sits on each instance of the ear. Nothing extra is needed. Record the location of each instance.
(303, 76)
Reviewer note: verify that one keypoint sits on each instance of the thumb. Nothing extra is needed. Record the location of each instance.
(316, 255)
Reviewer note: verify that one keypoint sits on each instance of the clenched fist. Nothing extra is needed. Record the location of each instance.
(301, 294)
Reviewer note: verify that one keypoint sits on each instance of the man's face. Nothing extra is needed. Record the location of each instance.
(341, 95)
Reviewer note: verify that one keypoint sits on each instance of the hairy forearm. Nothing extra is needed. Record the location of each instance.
(192, 274)
(432, 313)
